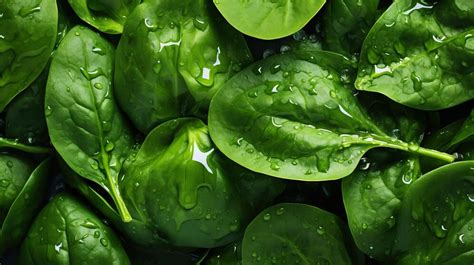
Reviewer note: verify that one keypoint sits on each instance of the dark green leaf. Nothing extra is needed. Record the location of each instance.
(172, 59)
(83, 120)
(297, 119)
(421, 54)
(27, 36)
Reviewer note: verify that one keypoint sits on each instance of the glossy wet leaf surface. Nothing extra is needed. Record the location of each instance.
(67, 232)
(297, 118)
(290, 233)
(33, 22)
(181, 186)
(436, 222)
(421, 54)
(262, 16)
(24, 190)
(172, 59)
(105, 15)
(81, 113)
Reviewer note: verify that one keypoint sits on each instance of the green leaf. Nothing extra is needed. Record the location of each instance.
(172, 59)
(67, 232)
(105, 15)
(24, 116)
(437, 217)
(291, 118)
(291, 233)
(346, 23)
(421, 54)
(27, 36)
(83, 120)
(188, 192)
(268, 19)
(373, 195)
(27, 202)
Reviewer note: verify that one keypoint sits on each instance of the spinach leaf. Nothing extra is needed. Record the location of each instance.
(373, 195)
(68, 232)
(172, 59)
(108, 16)
(23, 191)
(346, 23)
(27, 37)
(436, 218)
(136, 231)
(83, 120)
(261, 17)
(291, 233)
(179, 185)
(421, 54)
(297, 118)
(24, 116)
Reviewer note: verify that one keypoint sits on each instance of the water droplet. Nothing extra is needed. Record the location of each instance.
(364, 164)
(253, 94)
(267, 217)
(365, 226)
(413, 147)
(98, 51)
(89, 224)
(4, 183)
(9, 163)
(275, 68)
(93, 164)
(25, 11)
(89, 75)
(275, 166)
(320, 230)
(469, 42)
(109, 146)
(97, 234)
(417, 83)
(48, 111)
(104, 242)
(280, 211)
(418, 6)
(99, 86)
(200, 23)
(58, 247)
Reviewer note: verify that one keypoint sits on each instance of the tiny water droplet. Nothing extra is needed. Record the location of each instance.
(104, 242)
(267, 217)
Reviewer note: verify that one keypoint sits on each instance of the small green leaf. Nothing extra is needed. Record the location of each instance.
(268, 19)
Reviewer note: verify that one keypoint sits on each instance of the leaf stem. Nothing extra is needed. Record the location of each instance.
(8, 143)
(400, 145)
(116, 196)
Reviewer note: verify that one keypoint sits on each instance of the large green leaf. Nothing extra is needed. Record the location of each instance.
(437, 218)
(27, 36)
(84, 122)
(421, 54)
(291, 233)
(172, 58)
(67, 232)
(297, 118)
